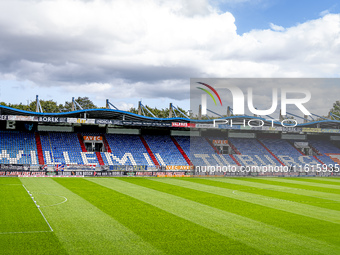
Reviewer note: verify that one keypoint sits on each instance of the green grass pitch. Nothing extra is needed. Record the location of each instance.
(170, 216)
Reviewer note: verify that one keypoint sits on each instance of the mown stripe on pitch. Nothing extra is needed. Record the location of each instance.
(219, 188)
(329, 188)
(252, 182)
(9, 180)
(335, 179)
(253, 233)
(278, 218)
(310, 197)
(31, 243)
(81, 227)
(167, 232)
(18, 212)
(22, 227)
(322, 180)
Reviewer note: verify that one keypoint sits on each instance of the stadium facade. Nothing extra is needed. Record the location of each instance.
(111, 141)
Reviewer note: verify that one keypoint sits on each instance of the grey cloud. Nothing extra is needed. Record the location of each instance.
(62, 59)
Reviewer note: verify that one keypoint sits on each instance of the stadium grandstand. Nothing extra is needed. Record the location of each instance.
(115, 140)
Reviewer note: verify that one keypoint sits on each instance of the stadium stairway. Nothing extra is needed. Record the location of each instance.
(235, 160)
(318, 160)
(271, 153)
(324, 151)
(336, 160)
(313, 149)
(292, 144)
(152, 156)
(316, 151)
(100, 159)
(232, 146)
(82, 145)
(106, 144)
(185, 156)
(39, 149)
(211, 144)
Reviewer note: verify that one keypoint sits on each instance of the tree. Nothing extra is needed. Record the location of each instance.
(335, 110)
(84, 102)
(160, 113)
(48, 106)
(133, 110)
(19, 106)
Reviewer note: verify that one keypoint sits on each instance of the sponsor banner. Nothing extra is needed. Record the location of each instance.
(82, 121)
(92, 138)
(153, 173)
(22, 118)
(22, 173)
(216, 142)
(151, 168)
(180, 124)
(51, 119)
(136, 168)
(146, 124)
(110, 173)
(179, 167)
(108, 122)
(224, 126)
(329, 130)
(15, 167)
(157, 173)
(301, 144)
(311, 130)
(145, 173)
(172, 174)
(291, 129)
(320, 130)
(205, 126)
(117, 168)
(272, 128)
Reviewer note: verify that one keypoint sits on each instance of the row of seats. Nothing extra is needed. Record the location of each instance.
(325, 148)
(259, 155)
(64, 148)
(165, 150)
(124, 148)
(287, 153)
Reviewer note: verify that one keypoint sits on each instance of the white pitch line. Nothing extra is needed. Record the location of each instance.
(39, 210)
(65, 199)
(45, 219)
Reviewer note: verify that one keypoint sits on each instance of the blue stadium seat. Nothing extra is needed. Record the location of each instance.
(18, 148)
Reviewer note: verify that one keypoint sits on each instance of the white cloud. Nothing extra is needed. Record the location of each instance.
(124, 106)
(276, 27)
(325, 12)
(150, 48)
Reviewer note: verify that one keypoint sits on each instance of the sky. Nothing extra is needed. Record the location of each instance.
(126, 51)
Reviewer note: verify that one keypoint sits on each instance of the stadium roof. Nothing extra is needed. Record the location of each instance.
(128, 116)
(91, 113)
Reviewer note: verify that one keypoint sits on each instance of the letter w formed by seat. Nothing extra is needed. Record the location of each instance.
(5, 155)
(127, 156)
